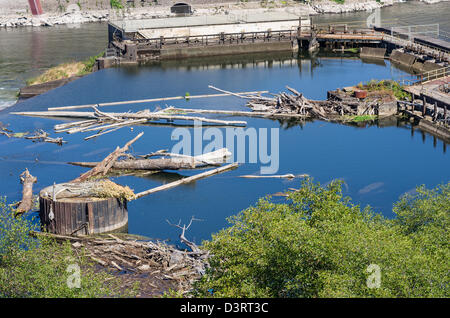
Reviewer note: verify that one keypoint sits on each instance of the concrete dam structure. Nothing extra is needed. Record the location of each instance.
(194, 36)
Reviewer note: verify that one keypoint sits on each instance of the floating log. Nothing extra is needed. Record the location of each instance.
(143, 114)
(286, 176)
(176, 163)
(150, 100)
(239, 95)
(144, 164)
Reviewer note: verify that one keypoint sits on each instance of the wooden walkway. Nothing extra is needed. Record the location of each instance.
(431, 90)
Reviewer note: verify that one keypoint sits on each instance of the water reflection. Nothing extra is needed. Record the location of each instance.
(362, 154)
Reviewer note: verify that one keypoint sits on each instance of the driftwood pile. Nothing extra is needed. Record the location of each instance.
(294, 103)
(104, 123)
(38, 136)
(155, 259)
(283, 105)
(94, 183)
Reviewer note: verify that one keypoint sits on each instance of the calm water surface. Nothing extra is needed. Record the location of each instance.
(378, 164)
(27, 52)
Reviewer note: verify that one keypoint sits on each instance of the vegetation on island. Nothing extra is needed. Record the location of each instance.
(389, 87)
(66, 70)
(319, 244)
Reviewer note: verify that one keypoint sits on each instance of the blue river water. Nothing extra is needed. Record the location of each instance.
(378, 163)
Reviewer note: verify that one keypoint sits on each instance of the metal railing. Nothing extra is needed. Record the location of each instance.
(434, 74)
(220, 38)
(407, 80)
(411, 45)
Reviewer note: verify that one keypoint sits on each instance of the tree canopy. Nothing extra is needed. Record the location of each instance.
(319, 244)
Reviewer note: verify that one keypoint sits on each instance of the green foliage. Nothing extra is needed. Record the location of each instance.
(116, 4)
(353, 50)
(31, 267)
(89, 64)
(339, 1)
(361, 118)
(319, 244)
(172, 294)
(425, 217)
(388, 85)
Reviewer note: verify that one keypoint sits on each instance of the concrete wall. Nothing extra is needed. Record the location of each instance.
(403, 58)
(438, 131)
(387, 109)
(216, 50)
(217, 29)
(374, 52)
(21, 6)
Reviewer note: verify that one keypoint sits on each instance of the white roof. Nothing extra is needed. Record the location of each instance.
(174, 22)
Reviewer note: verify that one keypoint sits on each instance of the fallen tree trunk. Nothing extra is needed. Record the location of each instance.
(145, 164)
(175, 163)
(151, 100)
(27, 192)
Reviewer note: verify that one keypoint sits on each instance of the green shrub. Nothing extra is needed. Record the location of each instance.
(388, 85)
(31, 267)
(89, 63)
(116, 4)
(319, 244)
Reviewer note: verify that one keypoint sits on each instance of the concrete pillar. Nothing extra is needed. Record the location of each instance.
(131, 52)
(35, 6)
(424, 106)
(435, 111)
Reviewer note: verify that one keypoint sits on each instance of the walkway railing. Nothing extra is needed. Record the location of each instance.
(407, 80)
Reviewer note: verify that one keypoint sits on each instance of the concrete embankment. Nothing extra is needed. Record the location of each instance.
(372, 52)
(433, 129)
(15, 13)
(216, 50)
(34, 90)
(414, 62)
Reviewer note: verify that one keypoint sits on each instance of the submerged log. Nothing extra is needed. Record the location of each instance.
(187, 180)
(287, 176)
(27, 192)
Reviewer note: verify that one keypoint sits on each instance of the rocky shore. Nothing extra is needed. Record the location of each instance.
(75, 15)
